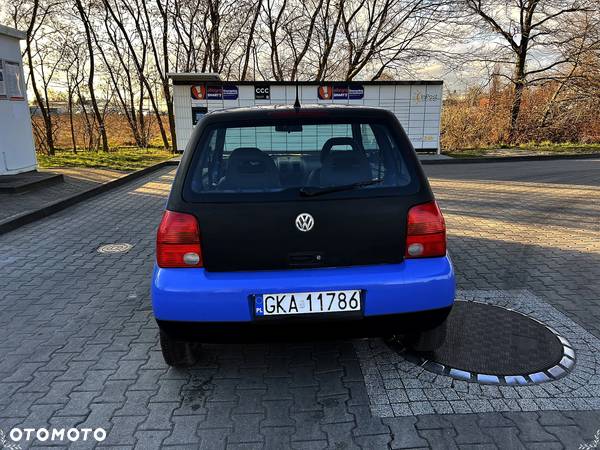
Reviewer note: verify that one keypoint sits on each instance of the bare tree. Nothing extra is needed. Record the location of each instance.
(133, 13)
(529, 32)
(227, 23)
(34, 17)
(120, 71)
(583, 54)
(250, 40)
(389, 33)
(91, 72)
(74, 61)
(162, 62)
(299, 31)
(274, 20)
(327, 31)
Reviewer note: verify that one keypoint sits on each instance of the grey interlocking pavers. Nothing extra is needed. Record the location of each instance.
(309, 445)
(122, 430)
(439, 438)
(404, 433)
(244, 428)
(468, 430)
(340, 435)
(307, 428)
(579, 390)
(148, 440)
(78, 344)
(378, 441)
(277, 437)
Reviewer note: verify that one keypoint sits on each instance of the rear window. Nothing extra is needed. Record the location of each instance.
(287, 157)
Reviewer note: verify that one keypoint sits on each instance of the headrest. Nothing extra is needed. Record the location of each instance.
(338, 141)
(250, 160)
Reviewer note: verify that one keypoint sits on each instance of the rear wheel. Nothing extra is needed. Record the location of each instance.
(427, 340)
(178, 353)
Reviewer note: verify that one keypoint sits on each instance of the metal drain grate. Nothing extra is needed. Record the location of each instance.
(493, 345)
(115, 248)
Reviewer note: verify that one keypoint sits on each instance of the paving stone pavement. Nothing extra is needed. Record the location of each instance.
(76, 180)
(397, 387)
(79, 348)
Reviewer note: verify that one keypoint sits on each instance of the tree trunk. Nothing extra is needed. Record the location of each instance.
(161, 127)
(140, 72)
(127, 106)
(40, 101)
(165, 71)
(171, 114)
(550, 104)
(249, 41)
(142, 118)
(88, 125)
(167, 88)
(73, 138)
(97, 113)
(515, 110)
(323, 60)
(519, 81)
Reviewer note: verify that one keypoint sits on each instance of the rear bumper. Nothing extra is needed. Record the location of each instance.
(304, 328)
(199, 298)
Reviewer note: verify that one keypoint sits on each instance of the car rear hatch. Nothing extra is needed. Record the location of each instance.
(255, 236)
(265, 205)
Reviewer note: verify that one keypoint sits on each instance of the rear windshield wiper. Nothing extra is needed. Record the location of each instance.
(310, 191)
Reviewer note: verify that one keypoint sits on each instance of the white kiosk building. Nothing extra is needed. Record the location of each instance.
(417, 104)
(17, 151)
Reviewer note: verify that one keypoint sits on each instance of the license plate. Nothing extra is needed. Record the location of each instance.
(306, 303)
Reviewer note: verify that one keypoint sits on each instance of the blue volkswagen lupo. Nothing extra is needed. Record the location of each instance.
(296, 223)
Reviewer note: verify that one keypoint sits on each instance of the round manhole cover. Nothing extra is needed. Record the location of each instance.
(114, 248)
(490, 344)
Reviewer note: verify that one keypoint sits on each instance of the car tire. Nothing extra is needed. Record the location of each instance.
(427, 340)
(178, 353)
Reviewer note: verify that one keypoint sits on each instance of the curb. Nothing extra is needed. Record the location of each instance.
(36, 214)
(495, 159)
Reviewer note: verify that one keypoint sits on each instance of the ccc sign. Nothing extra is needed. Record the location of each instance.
(262, 92)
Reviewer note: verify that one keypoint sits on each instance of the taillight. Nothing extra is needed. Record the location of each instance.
(178, 241)
(426, 232)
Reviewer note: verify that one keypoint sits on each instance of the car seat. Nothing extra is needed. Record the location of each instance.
(249, 168)
(341, 167)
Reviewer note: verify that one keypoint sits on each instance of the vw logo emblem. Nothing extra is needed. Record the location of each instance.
(305, 222)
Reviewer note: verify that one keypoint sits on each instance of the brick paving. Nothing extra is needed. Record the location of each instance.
(397, 387)
(78, 345)
(76, 180)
